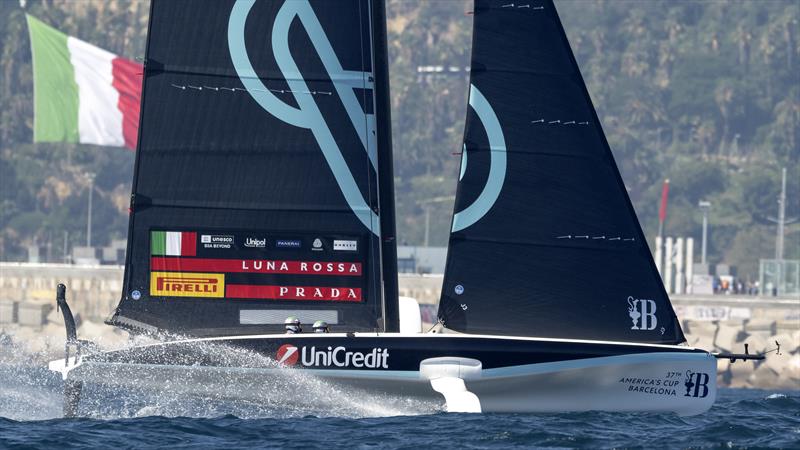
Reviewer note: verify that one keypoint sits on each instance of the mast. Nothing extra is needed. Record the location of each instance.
(385, 169)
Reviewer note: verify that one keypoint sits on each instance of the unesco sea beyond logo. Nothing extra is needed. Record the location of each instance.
(216, 241)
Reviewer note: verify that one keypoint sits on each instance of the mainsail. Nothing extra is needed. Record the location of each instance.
(263, 137)
(545, 241)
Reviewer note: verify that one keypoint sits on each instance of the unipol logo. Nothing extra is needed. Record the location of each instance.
(255, 242)
(696, 384)
(287, 355)
(642, 313)
(307, 114)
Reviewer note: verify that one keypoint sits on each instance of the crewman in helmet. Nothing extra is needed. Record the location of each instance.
(321, 326)
(292, 325)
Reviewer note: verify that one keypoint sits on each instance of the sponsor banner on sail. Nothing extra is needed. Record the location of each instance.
(256, 265)
(269, 266)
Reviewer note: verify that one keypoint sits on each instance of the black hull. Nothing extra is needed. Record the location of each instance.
(403, 353)
(498, 374)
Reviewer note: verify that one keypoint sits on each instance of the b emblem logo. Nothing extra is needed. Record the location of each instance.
(696, 384)
(287, 355)
(642, 313)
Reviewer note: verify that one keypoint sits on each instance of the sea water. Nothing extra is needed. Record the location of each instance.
(31, 402)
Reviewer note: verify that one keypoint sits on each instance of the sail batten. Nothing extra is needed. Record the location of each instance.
(559, 251)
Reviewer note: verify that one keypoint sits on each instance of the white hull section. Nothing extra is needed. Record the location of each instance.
(679, 382)
(650, 382)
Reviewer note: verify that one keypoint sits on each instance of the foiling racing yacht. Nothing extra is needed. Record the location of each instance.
(263, 189)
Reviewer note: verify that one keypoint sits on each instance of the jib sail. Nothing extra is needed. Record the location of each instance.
(545, 241)
(263, 136)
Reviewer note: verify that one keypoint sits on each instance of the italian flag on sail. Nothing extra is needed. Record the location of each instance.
(173, 243)
(82, 93)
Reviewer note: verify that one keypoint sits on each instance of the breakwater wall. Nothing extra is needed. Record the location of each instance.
(716, 322)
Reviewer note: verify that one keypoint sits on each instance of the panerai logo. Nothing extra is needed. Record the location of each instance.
(289, 355)
(642, 313)
(288, 243)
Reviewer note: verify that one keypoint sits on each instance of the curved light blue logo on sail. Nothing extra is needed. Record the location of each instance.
(497, 167)
(307, 114)
(463, 162)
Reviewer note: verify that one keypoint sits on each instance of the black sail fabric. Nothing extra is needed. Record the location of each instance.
(255, 189)
(545, 241)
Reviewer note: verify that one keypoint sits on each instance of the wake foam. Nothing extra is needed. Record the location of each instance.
(775, 396)
(30, 392)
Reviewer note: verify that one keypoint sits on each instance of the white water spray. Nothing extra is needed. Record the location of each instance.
(30, 392)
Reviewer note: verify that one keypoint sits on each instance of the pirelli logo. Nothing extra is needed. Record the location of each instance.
(182, 284)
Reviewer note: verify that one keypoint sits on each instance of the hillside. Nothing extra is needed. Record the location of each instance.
(703, 93)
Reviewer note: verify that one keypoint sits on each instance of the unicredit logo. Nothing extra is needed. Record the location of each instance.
(377, 358)
(287, 355)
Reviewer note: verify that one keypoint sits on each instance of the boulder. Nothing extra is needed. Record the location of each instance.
(723, 365)
(786, 326)
(791, 370)
(777, 362)
(13, 294)
(760, 325)
(763, 377)
(691, 340)
(699, 328)
(740, 373)
(785, 339)
(33, 314)
(757, 343)
(8, 311)
(726, 338)
(705, 343)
